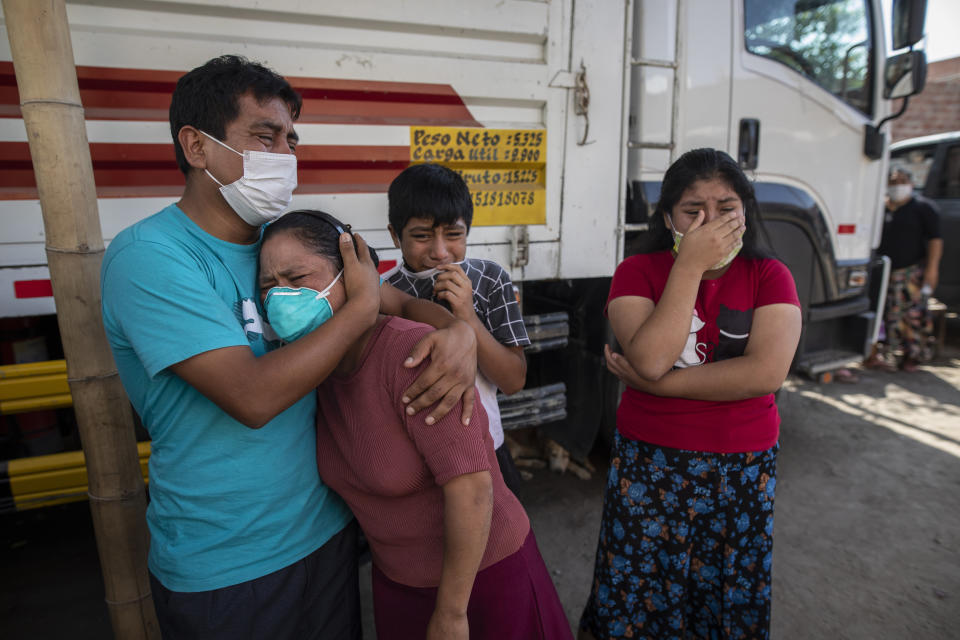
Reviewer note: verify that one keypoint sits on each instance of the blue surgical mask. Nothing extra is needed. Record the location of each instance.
(293, 313)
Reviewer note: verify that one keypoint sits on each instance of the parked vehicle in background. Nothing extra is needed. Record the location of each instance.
(562, 117)
(934, 163)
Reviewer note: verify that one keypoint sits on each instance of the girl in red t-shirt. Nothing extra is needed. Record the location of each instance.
(708, 325)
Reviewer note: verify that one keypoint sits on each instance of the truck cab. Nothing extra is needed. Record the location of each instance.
(795, 92)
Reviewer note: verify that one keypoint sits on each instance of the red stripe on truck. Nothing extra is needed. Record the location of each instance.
(386, 265)
(149, 170)
(144, 94)
(847, 228)
(32, 289)
(132, 169)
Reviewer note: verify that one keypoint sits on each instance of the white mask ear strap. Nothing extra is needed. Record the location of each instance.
(323, 294)
(212, 178)
(221, 143)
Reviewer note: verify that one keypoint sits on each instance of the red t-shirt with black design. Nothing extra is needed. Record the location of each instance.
(720, 327)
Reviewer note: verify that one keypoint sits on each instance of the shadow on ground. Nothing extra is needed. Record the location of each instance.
(867, 523)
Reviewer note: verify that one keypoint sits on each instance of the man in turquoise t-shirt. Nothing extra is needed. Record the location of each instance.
(246, 541)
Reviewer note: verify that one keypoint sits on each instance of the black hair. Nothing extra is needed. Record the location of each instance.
(317, 230)
(906, 173)
(428, 191)
(208, 97)
(705, 164)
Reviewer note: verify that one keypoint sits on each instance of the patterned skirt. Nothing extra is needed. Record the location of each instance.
(686, 544)
(907, 322)
(513, 599)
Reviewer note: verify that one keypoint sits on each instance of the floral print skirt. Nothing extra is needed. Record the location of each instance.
(686, 544)
(908, 323)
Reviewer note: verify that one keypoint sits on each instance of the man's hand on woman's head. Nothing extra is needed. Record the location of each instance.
(450, 376)
(360, 276)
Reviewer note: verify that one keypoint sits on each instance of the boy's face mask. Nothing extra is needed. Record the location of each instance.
(293, 313)
(265, 190)
(423, 282)
(427, 274)
(677, 237)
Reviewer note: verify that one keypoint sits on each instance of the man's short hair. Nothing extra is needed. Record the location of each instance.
(208, 97)
(428, 191)
(901, 171)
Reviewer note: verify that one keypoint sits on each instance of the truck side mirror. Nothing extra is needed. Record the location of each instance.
(904, 75)
(907, 22)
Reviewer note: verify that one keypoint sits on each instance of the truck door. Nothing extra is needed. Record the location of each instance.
(803, 87)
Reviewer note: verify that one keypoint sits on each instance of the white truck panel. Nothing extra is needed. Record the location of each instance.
(705, 73)
(593, 200)
(498, 56)
(509, 16)
(651, 88)
(450, 30)
(15, 307)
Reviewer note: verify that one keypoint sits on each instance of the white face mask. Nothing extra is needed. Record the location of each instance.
(900, 192)
(423, 281)
(427, 274)
(265, 190)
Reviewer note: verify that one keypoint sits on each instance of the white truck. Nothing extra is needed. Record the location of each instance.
(562, 115)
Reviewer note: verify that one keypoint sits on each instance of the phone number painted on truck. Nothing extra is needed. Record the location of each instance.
(505, 169)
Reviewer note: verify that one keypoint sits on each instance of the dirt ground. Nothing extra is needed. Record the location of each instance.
(867, 529)
(867, 526)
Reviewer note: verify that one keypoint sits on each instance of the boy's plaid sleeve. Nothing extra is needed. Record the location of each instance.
(497, 301)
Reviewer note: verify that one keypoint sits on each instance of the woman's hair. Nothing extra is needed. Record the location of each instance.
(317, 230)
(705, 164)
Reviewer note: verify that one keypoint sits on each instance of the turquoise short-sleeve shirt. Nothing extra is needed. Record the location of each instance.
(228, 503)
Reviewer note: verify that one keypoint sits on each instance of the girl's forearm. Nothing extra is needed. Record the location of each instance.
(733, 379)
(467, 509)
(655, 346)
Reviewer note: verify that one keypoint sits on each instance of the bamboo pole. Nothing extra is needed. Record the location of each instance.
(50, 102)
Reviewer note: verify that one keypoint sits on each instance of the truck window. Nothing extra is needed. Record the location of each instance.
(917, 161)
(827, 41)
(950, 182)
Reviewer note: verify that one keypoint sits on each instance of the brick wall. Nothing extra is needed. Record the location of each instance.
(937, 109)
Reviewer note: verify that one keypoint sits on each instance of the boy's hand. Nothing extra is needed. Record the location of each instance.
(450, 376)
(454, 287)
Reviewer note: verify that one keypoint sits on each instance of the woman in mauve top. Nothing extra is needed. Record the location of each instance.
(453, 553)
(708, 325)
